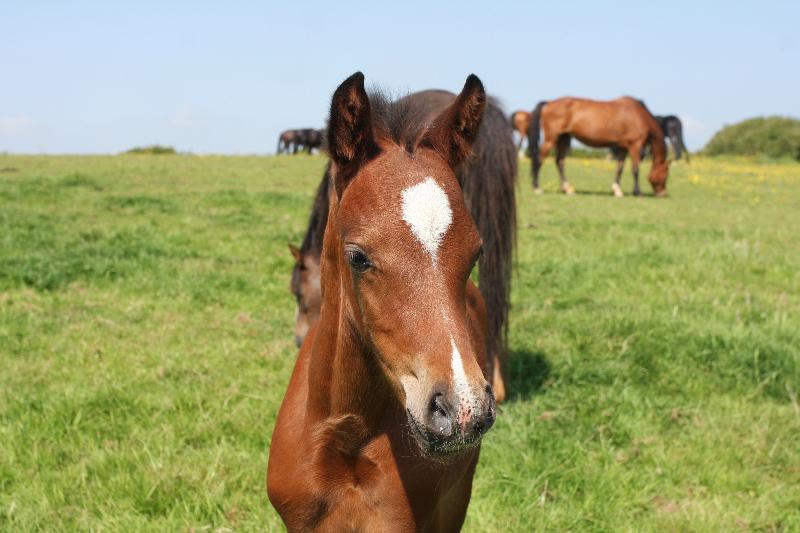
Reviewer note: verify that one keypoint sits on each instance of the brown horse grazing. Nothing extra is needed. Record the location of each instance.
(521, 121)
(624, 123)
(381, 425)
(488, 180)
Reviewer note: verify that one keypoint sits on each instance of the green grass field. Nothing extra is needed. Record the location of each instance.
(146, 342)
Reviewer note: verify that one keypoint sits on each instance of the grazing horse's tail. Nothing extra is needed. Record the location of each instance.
(533, 135)
(677, 140)
(280, 138)
(489, 190)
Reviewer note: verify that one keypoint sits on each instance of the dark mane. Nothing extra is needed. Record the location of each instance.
(488, 181)
(400, 121)
(312, 241)
(641, 103)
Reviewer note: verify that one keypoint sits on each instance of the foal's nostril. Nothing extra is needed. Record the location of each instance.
(491, 409)
(439, 419)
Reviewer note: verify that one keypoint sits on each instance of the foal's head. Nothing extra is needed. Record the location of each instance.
(404, 244)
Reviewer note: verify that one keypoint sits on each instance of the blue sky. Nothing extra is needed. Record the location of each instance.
(99, 77)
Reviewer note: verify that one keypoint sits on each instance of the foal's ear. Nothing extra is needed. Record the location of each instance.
(456, 128)
(351, 141)
(298, 256)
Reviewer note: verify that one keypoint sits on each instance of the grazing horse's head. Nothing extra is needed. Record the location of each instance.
(658, 177)
(305, 286)
(403, 244)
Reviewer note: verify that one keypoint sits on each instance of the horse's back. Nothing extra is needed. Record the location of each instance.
(596, 122)
(572, 104)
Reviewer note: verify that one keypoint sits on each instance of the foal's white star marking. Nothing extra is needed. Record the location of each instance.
(426, 210)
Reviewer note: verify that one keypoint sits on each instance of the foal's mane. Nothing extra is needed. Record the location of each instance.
(404, 120)
(312, 241)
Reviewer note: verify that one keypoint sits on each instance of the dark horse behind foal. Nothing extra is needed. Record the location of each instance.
(381, 425)
(672, 128)
(624, 123)
(488, 179)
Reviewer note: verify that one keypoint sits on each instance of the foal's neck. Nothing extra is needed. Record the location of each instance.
(344, 378)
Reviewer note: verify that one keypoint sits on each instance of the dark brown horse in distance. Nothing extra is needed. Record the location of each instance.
(288, 141)
(309, 139)
(381, 425)
(521, 121)
(673, 130)
(305, 139)
(624, 123)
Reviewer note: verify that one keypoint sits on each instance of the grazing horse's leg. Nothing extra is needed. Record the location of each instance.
(620, 156)
(635, 153)
(562, 147)
(544, 149)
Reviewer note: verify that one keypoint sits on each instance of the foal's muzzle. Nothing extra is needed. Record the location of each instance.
(449, 425)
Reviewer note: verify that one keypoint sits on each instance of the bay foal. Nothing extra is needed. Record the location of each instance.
(488, 180)
(381, 425)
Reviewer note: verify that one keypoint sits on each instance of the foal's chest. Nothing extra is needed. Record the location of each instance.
(385, 489)
(365, 493)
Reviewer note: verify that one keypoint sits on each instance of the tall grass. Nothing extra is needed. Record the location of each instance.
(146, 342)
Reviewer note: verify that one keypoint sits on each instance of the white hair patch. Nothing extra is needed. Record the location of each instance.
(426, 210)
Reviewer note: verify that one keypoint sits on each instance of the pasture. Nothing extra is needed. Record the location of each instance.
(146, 342)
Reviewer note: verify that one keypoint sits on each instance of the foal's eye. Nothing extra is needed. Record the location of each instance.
(475, 260)
(477, 257)
(357, 260)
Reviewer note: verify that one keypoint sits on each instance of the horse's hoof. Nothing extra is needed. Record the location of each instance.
(537, 190)
(569, 190)
(617, 190)
(637, 193)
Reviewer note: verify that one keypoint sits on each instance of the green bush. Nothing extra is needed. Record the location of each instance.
(153, 149)
(767, 136)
